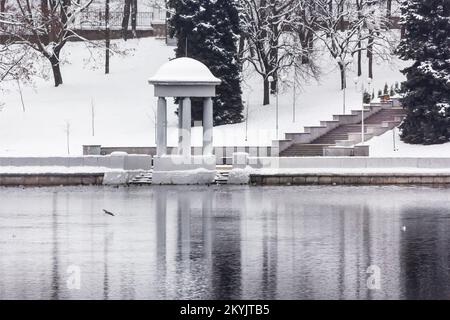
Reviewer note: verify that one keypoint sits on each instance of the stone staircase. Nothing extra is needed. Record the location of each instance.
(142, 179)
(339, 136)
(145, 178)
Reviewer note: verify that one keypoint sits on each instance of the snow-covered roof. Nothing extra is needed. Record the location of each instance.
(185, 71)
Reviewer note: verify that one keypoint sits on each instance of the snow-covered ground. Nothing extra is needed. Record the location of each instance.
(384, 146)
(124, 105)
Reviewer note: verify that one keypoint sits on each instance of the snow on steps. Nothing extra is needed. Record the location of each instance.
(342, 131)
(145, 178)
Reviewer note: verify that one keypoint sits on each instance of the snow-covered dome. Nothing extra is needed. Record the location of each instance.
(184, 71)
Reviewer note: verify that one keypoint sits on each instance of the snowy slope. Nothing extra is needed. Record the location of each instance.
(383, 146)
(125, 107)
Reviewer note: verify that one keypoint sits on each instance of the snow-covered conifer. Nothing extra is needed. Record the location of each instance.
(208, 30)
(427, 89)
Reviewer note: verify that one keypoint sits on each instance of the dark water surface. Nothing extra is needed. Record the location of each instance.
(225, 242)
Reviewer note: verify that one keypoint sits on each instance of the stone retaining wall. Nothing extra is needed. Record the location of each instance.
(48, 180)
(347, 162)
(311, 179)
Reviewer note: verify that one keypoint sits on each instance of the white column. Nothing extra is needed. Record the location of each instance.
(207, 127)
(186, 142)
(180, 127)
(161, 131)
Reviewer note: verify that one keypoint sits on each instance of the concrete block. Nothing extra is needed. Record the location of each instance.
(240, 159)
(325, 180)
(30, 180)
(24, 162)
(299, 180)
(414, 180)
(286, 180)
(76, 161)
(138, 162)
(181, 163)
(104, 161)
(92, 150)
(117, 160)
(350, 180)
(91, 161)
(115, 178)
(362, 180)
(89, 180)
(5, 161)
(391, 162)
(436, 163)
(312, 180)
(361, 151)
(253, 152)
(52, 181)
(55, 161)
(427, 180)
(271, 181)
(338, 152)
(74, 180)
(12, 181)
(402, 180)
(229, 152)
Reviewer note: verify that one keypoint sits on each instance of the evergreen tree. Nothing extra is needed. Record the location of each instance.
(427, 89)
(207, 30)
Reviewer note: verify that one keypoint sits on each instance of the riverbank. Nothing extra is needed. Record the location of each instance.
(123, 169)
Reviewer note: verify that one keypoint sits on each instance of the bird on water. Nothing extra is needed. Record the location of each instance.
(109, 213)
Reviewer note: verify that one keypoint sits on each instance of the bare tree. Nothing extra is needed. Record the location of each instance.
(130, 10)
(44, 26)
(273, 47)
(346, 28)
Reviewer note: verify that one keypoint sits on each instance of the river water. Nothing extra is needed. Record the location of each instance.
(225, 243)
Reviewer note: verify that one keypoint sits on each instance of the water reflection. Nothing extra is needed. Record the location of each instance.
(225, 243)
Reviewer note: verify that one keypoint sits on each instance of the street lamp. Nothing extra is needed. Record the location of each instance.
(294, 97)
(344, 62)
(369, 83)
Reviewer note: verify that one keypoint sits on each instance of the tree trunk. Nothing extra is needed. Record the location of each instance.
(370, 55)
(2, 5)
(107, 36)
(266, 100)
(389, 8)
(241, 49)
(134, 11)
(306, 39)
(343, 77)
(359, 59)
(359, 8)
(126, 19)
(274, 84)
(56, 68)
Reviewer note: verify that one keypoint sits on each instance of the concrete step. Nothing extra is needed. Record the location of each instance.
(304, 150)
(379, 118)
(144, 178)
(222, 177)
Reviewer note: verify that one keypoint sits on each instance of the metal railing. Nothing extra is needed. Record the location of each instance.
(96, 20)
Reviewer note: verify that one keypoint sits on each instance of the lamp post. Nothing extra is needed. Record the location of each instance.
(344, 62)
(369, 83)
(294, 98)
